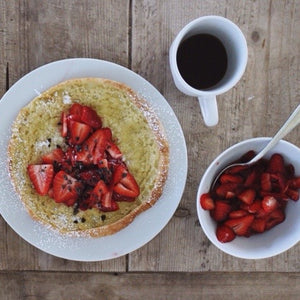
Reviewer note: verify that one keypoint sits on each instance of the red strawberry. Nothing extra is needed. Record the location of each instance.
(251, 178)
(293, 194)
(101, 197)
(247, 156)
(92, 150)
(236, 169)
(41, 177)
(66, 188)
(90, 117)
(269, 203)
(255, 207)
(108, 203)
(223, 189)
(78, 132)
(76, 109)
(237, 214)
(275, 195)
(113, 150)
(124, 183)
(207, 202)
(276, 217)
(229, 195)
(92, 176)
(259, 225)
(221, 211)
(86, 115)
(279, 183)
(240, 226)
(265, 182)
(57, 155)
(290, 171)
(224, 234)
(276, 164)
(227, 178)
(247, 196)
(64, 126)
(295, 183)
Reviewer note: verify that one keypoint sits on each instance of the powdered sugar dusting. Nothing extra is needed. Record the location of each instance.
(42, 144)
(66, 98)
(132, 237)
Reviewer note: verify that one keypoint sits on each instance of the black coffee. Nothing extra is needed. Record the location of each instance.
(202, 61)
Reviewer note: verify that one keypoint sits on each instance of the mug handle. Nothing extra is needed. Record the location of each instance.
(209, 110)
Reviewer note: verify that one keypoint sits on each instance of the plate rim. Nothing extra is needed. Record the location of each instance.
(145, 85)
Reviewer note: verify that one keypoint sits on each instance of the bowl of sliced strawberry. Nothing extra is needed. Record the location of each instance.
(252, 212)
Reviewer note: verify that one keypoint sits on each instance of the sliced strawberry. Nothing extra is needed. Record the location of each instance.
(276, 164)
(117, 197)
(221, 211)
(237, 214)
(93, 149)
(261, 214)
(293, 194)
(295, 183)
(240, 226)
(50, 192)
(64, 125)
(290, 171)
(224, 234)
(66, 188)
(207, 202)
(265, 182)
(251, 179)
(101, 197)
(124, 183)
(223, 189)
(279, 183)
(95, 196)
(247, 196)
(227, 178)
(229, 195)
(90, 117)
(108, 203)
(255, 207)
(236, 169)
(276, 217)
(269, 203)
(275, 195)
(78, 132)
(57, 155)
(259, 225)
(41, 177)
(247, 156)
(76, 109)
(113, 150)
(92, 176)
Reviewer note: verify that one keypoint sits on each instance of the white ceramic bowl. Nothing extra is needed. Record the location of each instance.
(272, 242)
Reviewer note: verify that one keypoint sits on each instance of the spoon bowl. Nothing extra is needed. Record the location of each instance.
(290, 124)
(272, 242)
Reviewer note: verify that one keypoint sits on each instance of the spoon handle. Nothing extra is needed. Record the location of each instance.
(290, 124)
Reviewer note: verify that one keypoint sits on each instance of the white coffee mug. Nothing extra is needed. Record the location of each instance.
(237, 54)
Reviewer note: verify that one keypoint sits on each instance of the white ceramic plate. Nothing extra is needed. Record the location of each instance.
(148, 224)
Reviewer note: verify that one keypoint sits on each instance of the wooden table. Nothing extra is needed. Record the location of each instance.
(180, 263)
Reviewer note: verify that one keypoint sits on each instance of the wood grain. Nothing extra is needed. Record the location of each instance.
(53, 286)
(256, 106)
(180, 262)
(37, 32)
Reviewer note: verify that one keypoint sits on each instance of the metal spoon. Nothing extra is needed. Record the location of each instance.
(290, 124)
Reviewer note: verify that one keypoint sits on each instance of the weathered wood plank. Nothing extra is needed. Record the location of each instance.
(52, 286)
(257, 106)
(33, 33)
